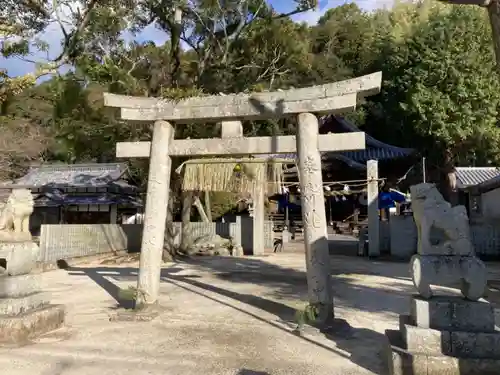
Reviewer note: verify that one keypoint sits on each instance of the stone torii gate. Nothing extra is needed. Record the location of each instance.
(336, 98)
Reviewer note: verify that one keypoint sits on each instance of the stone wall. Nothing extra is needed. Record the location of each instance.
(67, 241)
(399, 237)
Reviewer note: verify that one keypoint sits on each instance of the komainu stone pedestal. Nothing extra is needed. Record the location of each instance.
(445, 336)
(25, 311)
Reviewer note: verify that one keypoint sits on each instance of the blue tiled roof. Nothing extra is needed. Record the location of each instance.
(370, 153)
(375, 149)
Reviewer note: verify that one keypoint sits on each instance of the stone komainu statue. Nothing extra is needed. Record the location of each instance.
(442, 229)
(445, 252)
(15, 215)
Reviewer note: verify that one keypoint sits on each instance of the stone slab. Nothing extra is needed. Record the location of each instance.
(403, 362)
(19, 329)
(251, 145)
(452, 314)
(456, 344)
(423, 340)
(331, 98)
(18, 286)
(146, 314)
(19, 305)
(475, 345)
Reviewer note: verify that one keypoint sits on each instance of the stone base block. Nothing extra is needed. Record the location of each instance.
(452, 314)
(456, 344)
(469, 271)
(144, 314)
(15, 306)
(20, 256)
(19, 329)
(18, 286)
(401, 361)
(423, 340)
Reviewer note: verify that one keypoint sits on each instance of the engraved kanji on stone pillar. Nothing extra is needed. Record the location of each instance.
(156, 215)
(314, 217)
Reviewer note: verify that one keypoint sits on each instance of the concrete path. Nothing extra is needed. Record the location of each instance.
(224, 316)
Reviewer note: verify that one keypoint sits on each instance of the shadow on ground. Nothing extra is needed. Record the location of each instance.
(290, 283)
(363, 345)
(251, 372)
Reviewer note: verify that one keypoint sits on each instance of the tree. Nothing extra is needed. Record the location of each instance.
(21, 23)
(438, 92)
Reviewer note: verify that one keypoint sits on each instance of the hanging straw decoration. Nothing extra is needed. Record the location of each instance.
(233, 175)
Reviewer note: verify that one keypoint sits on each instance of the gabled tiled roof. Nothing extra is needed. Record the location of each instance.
(471, 176)
(73, 175)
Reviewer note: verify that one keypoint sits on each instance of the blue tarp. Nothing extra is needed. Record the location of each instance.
(388, 199)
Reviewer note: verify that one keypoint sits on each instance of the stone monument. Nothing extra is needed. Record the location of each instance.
(452, 335)
(25, 311)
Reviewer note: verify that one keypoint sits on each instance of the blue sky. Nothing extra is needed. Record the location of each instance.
(17, 67)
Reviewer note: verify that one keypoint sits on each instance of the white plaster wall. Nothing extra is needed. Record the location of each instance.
(490, 204)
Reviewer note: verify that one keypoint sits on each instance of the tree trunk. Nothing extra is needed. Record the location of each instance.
(208, 206)
(187, 202)
(201, 211)
(450, 179)
(494, 13)
(170, 230)
(175, 53)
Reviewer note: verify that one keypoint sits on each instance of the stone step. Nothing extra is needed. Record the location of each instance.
(18, 305)
(401, 361)
(452, 343)
(450, 313)
(19, 329)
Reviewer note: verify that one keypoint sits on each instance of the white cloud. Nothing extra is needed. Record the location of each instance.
(311, 17)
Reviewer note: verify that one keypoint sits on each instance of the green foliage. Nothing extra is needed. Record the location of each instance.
(306, 316)
(222, 203)
(132, 293)
(439, 92)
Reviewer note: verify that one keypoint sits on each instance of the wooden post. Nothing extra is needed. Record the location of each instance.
(258, 220)
(155, 216)
(373, 213)
(314, 218)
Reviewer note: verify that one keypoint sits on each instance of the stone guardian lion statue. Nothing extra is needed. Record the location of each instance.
(15, 216)
(445, 253)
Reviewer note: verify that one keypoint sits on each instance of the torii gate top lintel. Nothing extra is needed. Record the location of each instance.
(330, 98)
